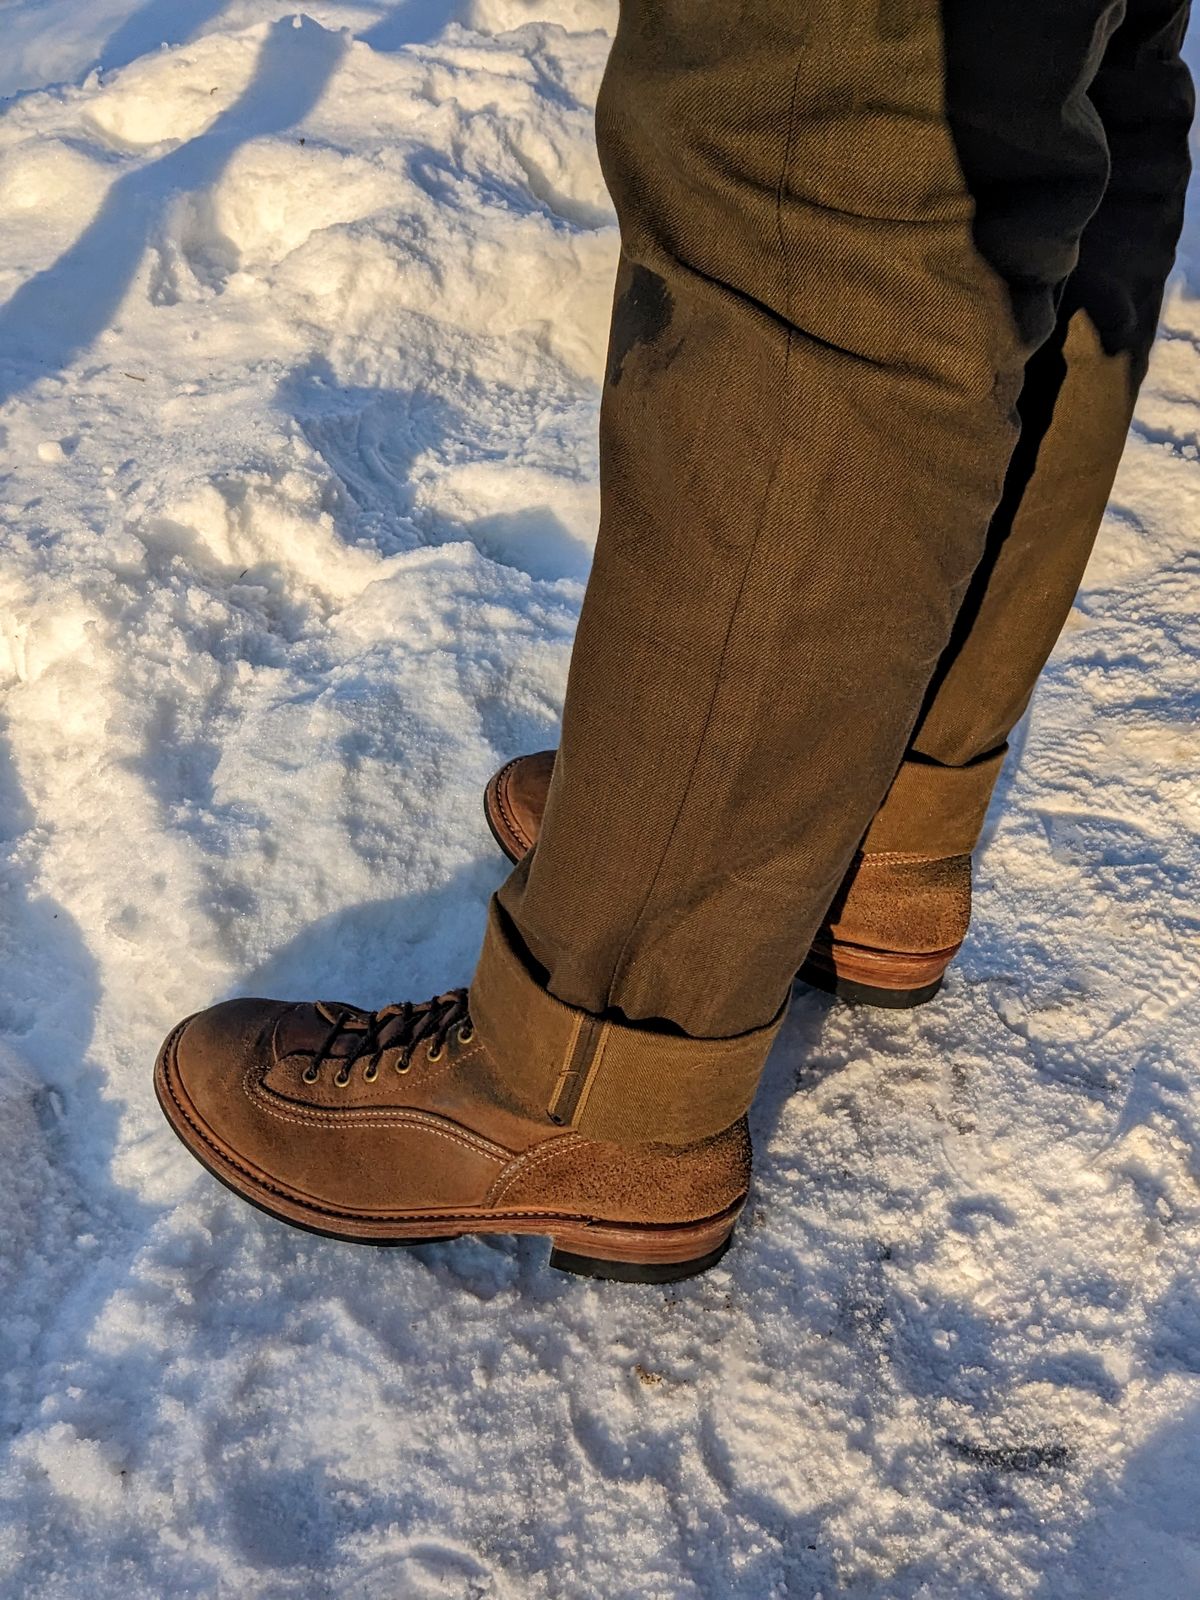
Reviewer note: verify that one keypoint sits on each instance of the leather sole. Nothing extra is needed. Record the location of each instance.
(858, 974)
(586, 1246)
(862, 975)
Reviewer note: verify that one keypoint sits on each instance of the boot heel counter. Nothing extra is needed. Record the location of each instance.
(904, 903)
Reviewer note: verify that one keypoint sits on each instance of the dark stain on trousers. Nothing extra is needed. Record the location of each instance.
(641, 315)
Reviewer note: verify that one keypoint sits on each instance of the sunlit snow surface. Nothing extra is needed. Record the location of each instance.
(300, 328)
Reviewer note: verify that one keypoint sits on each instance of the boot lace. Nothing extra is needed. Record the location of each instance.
(399, 1028)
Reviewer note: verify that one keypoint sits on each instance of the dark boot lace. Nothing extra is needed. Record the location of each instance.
(400, 1028)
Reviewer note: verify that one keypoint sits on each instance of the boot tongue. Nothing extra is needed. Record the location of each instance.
(307, 1029)
(310, 1029)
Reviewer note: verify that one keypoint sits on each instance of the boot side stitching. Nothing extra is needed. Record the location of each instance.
(372, 1119)
(520, 1165)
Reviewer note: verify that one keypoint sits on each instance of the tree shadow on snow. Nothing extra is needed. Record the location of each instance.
(157, 23)
(167, 22)
(412, 22)
(60, 312)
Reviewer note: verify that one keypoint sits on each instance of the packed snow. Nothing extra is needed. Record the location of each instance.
(301, 322)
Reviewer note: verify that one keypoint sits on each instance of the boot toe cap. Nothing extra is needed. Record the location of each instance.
(205, 1066)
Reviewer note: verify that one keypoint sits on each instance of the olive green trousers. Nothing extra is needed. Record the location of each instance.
(890, 275)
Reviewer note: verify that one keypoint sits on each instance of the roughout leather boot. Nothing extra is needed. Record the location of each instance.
(403, 1126)
(896, 924)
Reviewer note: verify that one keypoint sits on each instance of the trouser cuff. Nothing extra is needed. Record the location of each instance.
(601, 1078)
(932, 810)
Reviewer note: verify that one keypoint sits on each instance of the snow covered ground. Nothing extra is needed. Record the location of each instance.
(300, 326)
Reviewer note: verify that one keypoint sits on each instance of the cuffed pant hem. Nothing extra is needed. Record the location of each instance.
(601, 1078)
(933, 810)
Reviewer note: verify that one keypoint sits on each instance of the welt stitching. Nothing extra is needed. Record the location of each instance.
(872, 857)
(502, 806)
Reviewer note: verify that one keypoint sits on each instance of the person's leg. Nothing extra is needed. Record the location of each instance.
(895, 924)
(902, 910)
(1076, 407)
(844, 228)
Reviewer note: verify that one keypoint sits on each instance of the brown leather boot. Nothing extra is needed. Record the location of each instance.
(898, 921)
(397, 1127)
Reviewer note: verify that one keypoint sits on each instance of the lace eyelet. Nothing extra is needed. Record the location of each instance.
(371, 1072)
(465, 1033)
(435, 1055)
(310, 1075)
(342, 1079)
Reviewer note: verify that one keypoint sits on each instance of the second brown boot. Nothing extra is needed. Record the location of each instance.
(896, 924)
